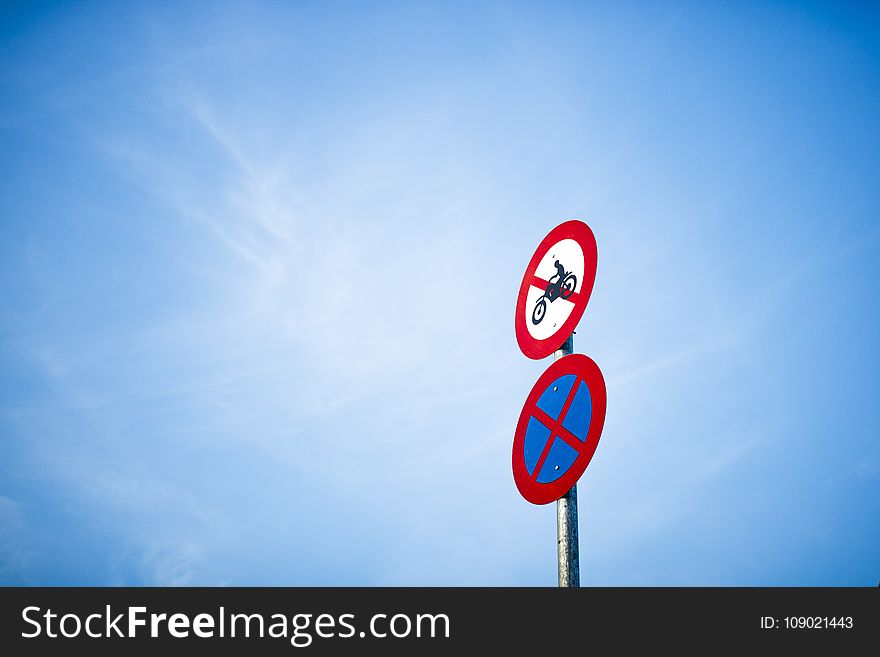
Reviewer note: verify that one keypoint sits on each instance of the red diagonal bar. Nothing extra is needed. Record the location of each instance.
(542, 284)
(556, 428)
(543, 457)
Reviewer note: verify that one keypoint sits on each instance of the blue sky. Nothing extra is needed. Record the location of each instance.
(259, 265)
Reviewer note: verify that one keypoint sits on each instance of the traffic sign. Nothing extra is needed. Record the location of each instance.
(558, 429)
(555, 289)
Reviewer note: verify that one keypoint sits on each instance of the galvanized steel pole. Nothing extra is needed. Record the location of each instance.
(567, 516)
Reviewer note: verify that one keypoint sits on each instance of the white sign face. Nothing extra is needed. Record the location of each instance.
(553, 289)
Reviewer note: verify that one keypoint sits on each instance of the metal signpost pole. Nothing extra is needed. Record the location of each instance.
(567, 515)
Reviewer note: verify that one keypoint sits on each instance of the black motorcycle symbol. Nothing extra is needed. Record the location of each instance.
(564, 287)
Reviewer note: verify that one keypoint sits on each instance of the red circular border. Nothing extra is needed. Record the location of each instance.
(585, 368)
(581, 233)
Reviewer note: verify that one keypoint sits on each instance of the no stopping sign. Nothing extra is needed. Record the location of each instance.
(558, 429)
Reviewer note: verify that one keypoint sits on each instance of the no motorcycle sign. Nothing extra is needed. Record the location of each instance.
(555, 289)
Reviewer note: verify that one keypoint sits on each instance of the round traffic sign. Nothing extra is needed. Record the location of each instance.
(555, 289)
(558, 429)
